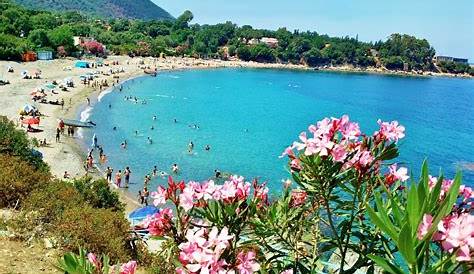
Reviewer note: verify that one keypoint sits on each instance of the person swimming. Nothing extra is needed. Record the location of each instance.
(154, 117)
(136, 132)
(114, 128)
(152, 128)
(154, 171)
(190, 146)
(150, 141)
(207, 147)
(175, 168)
(175, 121)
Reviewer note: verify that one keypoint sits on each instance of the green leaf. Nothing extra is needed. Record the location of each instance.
(381, 224)
(413, 207)
(405, 244)
(386, 265)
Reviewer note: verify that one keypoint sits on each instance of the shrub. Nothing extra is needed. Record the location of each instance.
(52, 199)
(98, 230)
(98, 193)
(15, 142)
(17, 180)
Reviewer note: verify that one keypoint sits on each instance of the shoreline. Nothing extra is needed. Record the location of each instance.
(68, 155)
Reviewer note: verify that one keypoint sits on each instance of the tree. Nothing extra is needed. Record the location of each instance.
(62, 36)
(39, 38)
(314, 58)
(244, 53)
(183, 20)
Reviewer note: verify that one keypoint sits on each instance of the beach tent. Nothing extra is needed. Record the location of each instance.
(81, 64)
(50, 86)
(141, 213)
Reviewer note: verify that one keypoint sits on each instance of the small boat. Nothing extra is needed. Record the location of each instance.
(77, 123)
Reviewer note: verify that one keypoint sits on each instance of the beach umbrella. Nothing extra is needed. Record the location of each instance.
(142, 213)
(31, 121)
(50, 86)
(28, 108)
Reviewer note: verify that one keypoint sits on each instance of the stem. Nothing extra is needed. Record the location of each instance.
(331, 225)
(349, 230)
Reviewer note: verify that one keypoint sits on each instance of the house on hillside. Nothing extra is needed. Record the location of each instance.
(269, 41)
(438, 59)
(78, 40)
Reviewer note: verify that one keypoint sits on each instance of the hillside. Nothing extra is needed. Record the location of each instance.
(139, 9)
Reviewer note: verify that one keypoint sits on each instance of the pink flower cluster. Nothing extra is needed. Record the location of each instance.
(159, 223)
(466, 192)
(298, 197)
(456, 234)
(395, 174)
(128, 268)
(234, 189)
(339, 138)
(202, 251)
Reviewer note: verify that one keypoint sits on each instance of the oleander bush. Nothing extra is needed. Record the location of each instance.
(351, 210)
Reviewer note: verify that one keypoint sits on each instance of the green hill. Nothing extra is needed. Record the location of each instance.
(139, 9)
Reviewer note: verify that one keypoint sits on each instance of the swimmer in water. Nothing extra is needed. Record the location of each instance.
(175, 121)
(110, 106)
(190, 147)
(150, 141)
(114, 128)
(175, 168)
(155, 171)
(207, 147)
(152, 128)
(154, 117)
(136, 132)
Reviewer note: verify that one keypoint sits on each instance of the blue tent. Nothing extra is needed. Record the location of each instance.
(81, 64)
(141, 213)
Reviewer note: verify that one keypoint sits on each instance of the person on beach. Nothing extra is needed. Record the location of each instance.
(94, 141)
(108, 174)
(90, 161)
(175, 168)
(145, 195)
(72, 131)
(88, 101)
(118, 178)
(66, 175)
(127, 176)
(58, 135)
(102, 159)
(141, 199)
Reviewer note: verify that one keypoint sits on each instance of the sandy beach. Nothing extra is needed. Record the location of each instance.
(67, 155)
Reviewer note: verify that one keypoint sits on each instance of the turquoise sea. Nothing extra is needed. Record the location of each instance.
(249, 116)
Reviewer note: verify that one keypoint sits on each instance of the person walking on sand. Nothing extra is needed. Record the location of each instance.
(118, 178)
(127, 172)
(88, 101)
(58, 135)
(108, 174)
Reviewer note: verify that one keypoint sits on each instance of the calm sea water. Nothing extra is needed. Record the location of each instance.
(249, 116)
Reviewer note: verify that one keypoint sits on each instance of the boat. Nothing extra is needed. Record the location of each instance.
(77, 123)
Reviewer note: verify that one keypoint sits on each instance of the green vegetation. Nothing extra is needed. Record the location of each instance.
(456, 68)
(79, 213)
(141, 9)
(22, 29)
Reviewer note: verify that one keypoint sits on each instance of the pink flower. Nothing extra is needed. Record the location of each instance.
(319, 146)
(456, 234)
(159, 223)
(425, 226)
(298, 197)
(350, 131)
(93, 259)
(288, 271)
(227, 190)
(395, 174)
(391, 131)
(466, 192)
(159, 196)
(432, 182)
(128, 268)
(365, 158)
(246, 263)
(220, 241)
(186, 199)
(339, 153)
(288, 151)
(295, 164)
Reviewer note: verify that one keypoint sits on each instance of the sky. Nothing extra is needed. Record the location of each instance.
(447, 25)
